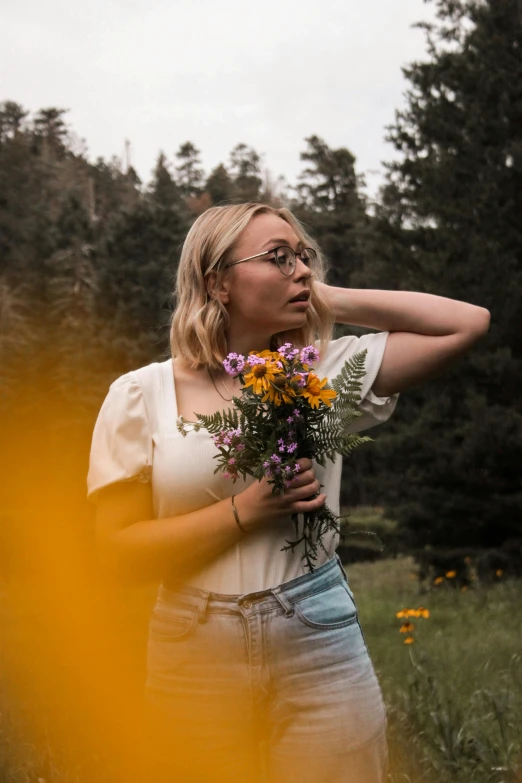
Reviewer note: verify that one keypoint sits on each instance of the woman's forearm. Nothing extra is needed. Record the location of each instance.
(405, 311)
(170, 548)
(427, 332)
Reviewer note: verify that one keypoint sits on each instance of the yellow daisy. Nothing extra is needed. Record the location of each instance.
(451, 574)
(409, 640)
(407, 628)
(279, 392)
(262, 375)
(314, 392)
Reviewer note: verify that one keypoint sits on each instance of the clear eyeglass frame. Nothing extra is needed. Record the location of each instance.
(285, 258)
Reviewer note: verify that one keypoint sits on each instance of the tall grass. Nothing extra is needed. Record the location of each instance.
(454, 696)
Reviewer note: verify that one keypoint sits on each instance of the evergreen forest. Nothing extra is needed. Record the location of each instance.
(88, 256)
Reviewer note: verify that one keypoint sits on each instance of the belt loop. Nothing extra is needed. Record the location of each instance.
(283, 600)
(202, 607)
(342, 568)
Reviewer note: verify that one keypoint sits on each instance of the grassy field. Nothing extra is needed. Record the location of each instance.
(454, 696)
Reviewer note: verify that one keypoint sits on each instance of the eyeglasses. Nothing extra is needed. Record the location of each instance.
(284, 257)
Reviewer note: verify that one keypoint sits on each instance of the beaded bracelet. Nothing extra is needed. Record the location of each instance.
(236, 516)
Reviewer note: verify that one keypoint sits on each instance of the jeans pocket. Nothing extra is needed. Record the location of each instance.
(172, 622)
(329, 609)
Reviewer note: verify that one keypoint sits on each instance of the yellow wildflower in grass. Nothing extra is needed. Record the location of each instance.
(451, 574)
(407, 628)
(402, 613)
(438, 581)
(411, 613)
(409, 640)
(499, 572)
(314, 392)
(423, 612)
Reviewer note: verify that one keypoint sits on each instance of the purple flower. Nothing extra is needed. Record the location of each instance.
(291, 448)
(301, 379)
(254, 359)
(276, 458)
(309, 355)
(288, 351)
(296, 414)
(234, 363)
(231, 461)
(240, 447)
(290, 420)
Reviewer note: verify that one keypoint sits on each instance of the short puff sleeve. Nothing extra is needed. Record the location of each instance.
(375, 410)
(121, 448)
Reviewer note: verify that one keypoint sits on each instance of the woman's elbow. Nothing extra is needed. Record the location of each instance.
(478, 324)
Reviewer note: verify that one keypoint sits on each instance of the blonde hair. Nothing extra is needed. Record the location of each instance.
(199, 322)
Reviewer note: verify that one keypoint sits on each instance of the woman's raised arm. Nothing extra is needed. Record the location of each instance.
(427, 332)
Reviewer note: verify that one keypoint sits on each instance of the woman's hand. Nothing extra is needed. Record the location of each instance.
(257, 504)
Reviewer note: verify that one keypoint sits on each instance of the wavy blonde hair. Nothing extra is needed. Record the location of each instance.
(199, 322)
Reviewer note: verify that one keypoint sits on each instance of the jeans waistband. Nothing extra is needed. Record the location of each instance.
(285, 594)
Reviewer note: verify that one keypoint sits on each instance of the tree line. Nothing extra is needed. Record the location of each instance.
(88, 256)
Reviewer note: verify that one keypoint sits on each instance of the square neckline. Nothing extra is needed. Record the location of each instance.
(171, 404)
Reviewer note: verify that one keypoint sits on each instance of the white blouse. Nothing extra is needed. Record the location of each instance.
(137, 437)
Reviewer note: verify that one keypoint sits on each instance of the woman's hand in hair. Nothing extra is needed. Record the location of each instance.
(258, 504)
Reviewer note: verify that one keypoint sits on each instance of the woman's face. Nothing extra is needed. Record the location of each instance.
(258, 296)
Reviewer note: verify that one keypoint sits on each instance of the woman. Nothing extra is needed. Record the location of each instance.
(257, 669)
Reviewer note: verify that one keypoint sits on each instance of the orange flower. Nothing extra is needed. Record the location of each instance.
(402, 613)
(314, 392)
(451, 574)
(422, 612)
(499, 572)
(438, 581)
(407, 628)
(409, 640)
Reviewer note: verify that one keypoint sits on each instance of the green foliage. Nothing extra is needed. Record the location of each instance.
(449, 223)
(455, 704)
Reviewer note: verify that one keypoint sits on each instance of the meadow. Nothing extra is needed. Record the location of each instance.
(453, 695)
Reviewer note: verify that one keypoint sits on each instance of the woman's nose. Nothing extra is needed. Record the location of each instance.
(301, 270)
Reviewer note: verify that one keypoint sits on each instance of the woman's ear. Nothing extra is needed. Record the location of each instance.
(219, 292)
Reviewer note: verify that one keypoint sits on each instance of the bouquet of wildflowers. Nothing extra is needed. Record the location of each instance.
(286, 412)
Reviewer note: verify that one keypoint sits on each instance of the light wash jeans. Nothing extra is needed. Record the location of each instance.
(275, 686)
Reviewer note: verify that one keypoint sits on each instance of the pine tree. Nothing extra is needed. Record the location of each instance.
(454, 201)
(245, 167)
(329, 201)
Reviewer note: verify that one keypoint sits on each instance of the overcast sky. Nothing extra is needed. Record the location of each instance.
(215, 72)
